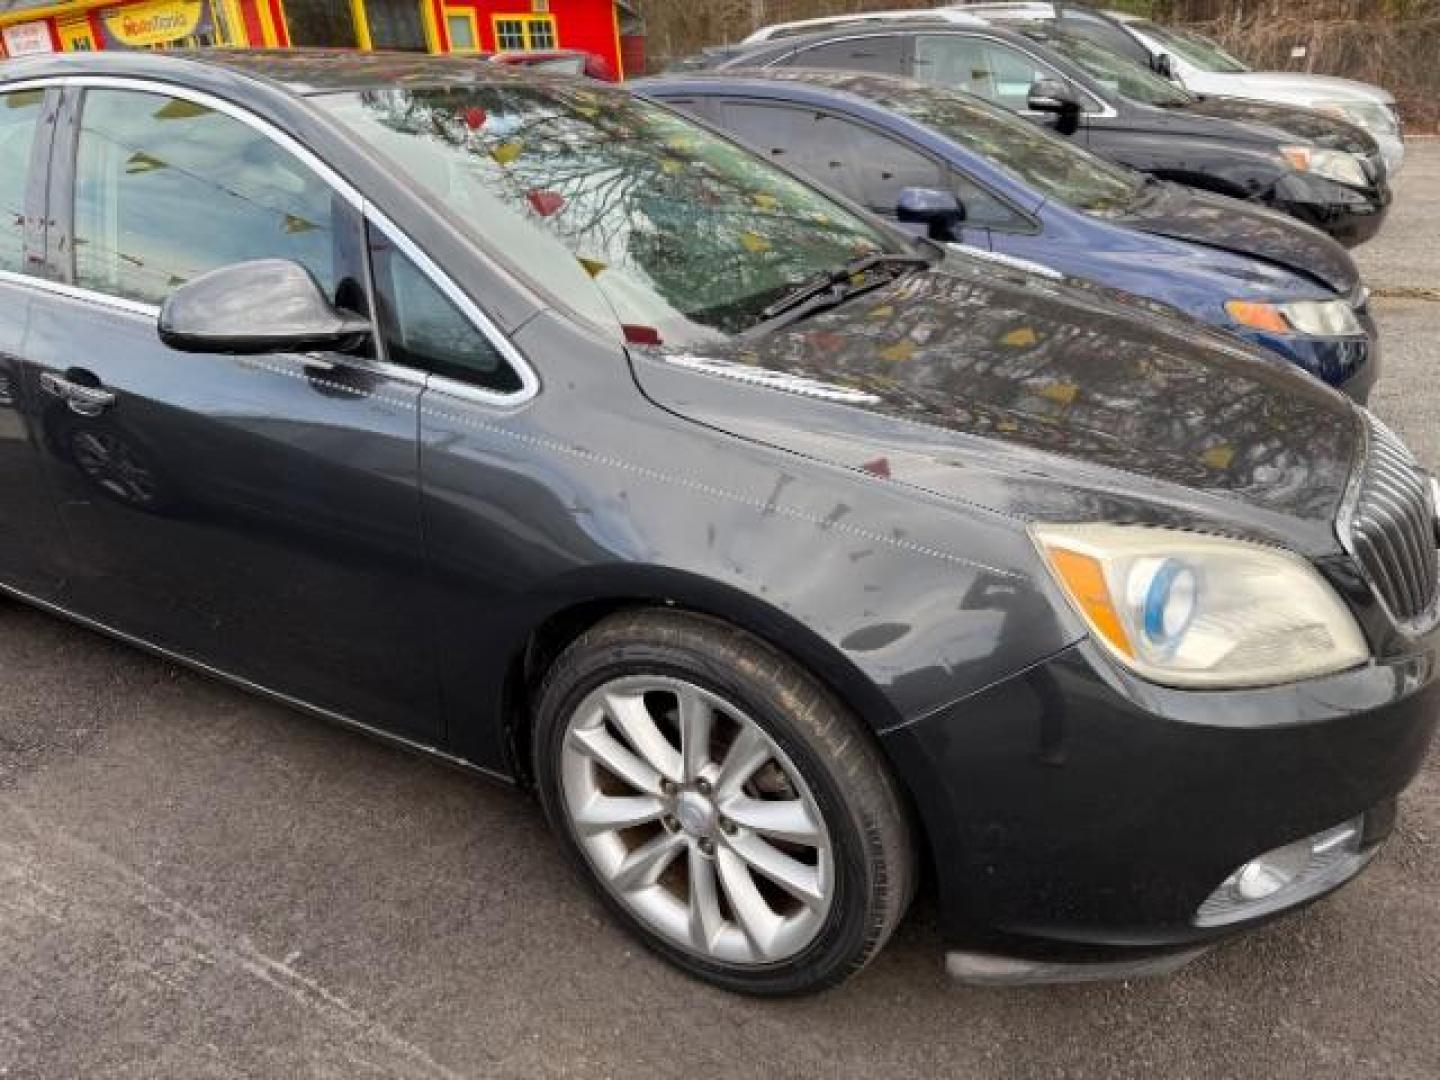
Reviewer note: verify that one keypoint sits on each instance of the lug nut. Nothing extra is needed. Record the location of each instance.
(669, 823)
(707, 846)
(727, 826)
(702, 786)
(667, 786)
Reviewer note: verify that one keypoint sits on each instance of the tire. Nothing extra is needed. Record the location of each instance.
(676, 757)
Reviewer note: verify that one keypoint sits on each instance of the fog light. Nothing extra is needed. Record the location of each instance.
(1287, 875)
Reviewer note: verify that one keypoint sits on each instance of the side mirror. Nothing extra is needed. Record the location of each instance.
(269, 305)
(1053, 96)
(1164, 66)
(939, 212)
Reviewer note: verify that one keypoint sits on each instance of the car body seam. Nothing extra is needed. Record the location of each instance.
(651, 473)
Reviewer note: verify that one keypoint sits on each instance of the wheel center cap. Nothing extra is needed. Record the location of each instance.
(695, 813)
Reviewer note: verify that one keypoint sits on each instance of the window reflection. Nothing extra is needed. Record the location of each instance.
(19, 115)
(167, 190)
(589, 190)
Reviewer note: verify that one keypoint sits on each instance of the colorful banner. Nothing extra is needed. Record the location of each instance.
(160, 22)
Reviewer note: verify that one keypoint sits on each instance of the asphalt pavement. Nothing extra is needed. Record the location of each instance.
(198, 884)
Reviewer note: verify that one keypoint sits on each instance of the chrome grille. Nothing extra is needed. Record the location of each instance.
(1392, 529)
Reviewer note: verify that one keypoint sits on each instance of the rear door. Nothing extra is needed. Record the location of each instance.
(31, 540)
(866, 165)
(258, 514)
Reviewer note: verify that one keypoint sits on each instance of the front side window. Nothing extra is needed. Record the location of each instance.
(1118, 74)
(423, 329)
(167, 190)
(19, 120)
(1052, 166)
(867, 166)
(1193, 48)
(622, 210)
(978, 66)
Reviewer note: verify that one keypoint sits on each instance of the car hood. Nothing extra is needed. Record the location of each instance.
(1296, 85)
(1008, 389)
(1184, 122)
(1304, 124)
(1243, 228)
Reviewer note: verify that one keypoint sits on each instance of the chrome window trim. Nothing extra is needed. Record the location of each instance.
(75, 292)
(529, 380)
(1099, 108)
(210, 101)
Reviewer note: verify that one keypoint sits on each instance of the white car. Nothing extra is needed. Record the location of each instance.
(1203, 67)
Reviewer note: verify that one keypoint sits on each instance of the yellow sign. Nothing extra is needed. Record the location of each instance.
(159, 23)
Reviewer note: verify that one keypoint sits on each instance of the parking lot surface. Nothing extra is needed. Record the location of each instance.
(195, 883)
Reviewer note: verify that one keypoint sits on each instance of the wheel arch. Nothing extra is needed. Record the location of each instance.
(582, 600)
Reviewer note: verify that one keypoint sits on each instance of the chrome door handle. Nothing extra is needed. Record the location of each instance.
(83, 400)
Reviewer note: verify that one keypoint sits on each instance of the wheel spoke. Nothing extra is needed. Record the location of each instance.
(643, 866)
(759, 924)
(705, 917)
(787, 819)
(798, 879)
(609, 752)
(746, 754)
(696, 722)
(634, 719)
(606, 813)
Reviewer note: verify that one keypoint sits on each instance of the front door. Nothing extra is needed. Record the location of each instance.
(30, 536)
(258, 514)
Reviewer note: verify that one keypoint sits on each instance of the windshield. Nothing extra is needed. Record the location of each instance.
(1047, 163)
(623, 209)
(1113, 71)
(1198, 51)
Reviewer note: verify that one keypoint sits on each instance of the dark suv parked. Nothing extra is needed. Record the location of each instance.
(1323, 171)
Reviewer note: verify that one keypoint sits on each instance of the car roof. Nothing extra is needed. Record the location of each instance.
(776, 31)
(800, 83)
(301, 71)
(791, 43)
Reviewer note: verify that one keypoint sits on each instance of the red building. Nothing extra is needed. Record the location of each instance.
(610, 29)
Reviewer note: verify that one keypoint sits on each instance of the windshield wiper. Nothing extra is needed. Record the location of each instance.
(839, 284)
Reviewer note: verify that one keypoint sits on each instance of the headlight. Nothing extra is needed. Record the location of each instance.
(1318, 318)
(1190, 610)
(1375, 118)
(1337, 165)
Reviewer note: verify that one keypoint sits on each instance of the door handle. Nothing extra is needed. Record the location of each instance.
(83, 400)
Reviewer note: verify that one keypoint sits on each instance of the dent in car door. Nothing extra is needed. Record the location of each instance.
(30, 536)
(258, 514)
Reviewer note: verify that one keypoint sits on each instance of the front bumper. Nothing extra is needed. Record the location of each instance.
(1077, 815)
(1349, 215)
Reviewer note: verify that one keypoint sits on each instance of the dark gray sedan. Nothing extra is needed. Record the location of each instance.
(792, 561)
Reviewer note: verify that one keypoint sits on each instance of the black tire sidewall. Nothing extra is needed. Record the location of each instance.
(829, 957)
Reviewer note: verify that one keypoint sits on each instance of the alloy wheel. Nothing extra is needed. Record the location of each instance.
(697, 821)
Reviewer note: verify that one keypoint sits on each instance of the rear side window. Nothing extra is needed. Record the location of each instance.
(19, 120)
(423, 329)
(167, 190)
(868, 166)
(884, 55)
